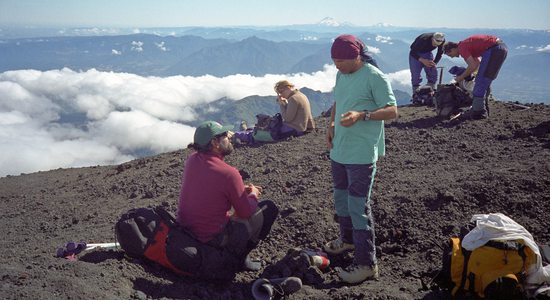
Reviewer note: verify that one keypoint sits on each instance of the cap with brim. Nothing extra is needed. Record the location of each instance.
(208, 130)
(439, 38)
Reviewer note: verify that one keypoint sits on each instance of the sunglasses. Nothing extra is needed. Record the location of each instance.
(222, 135)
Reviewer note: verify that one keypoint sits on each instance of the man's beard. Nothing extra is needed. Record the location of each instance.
(226, 150)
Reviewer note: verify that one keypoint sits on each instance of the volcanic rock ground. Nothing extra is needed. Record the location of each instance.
(436, 175)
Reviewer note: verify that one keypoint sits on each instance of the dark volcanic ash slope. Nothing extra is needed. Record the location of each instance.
(435, 177)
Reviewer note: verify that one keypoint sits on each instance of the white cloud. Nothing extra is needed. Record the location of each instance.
(384, 39)
(63, 118)
(131, 130)
(96, 107)
(544, 49)
(116, 52)
(12, 118)
(373, 50)
(401, 80)
(137, 46)
(93, 31)
(15, 98)
(309, 38)
(161, 46)
(29, 146)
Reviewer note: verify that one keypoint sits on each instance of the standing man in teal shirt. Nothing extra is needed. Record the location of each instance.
(363, 100)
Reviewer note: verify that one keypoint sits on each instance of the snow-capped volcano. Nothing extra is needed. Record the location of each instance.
(331, 22)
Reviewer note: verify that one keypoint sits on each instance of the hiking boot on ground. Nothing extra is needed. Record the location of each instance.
(478, 111)
(337, 246)
(286, 285)
(270, 288)
(357, 273)
(474, 115)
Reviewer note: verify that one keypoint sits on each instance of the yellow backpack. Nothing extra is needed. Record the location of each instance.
(495, 270)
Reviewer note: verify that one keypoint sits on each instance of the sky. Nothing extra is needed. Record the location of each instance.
(530, 14)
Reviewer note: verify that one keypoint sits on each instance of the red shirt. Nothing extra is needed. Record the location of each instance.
(475, 45)
(210, 187)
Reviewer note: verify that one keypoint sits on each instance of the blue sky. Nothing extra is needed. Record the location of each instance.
(531, 14)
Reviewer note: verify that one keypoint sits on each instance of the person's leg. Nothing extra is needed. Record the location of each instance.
(340, 194)
(361, 179)
(431, 72)
(243, 235)
(340, 186)
(364, 263)
(269, 214)
(498, 56)
(415, 67)
(482, 84)
(243, 136)
(259, 224)
(286, 131)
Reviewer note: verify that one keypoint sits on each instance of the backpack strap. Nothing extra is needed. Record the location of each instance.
(504, 245)
(166, 216)
(466, 255)
(545, 254)
(522, 275)
(472, 287)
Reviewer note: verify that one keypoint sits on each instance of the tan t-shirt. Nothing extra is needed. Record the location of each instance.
(297, 112)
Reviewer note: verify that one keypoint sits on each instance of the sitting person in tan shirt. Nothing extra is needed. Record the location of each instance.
(295, 110)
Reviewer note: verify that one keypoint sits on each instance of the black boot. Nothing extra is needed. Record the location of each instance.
(478, 110)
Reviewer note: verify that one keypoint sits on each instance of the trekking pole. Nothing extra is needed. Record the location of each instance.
(106, 246)
(440, 74)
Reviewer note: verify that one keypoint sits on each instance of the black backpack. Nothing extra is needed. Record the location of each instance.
(153, 234)
(449, 98)
(424, 95)
(272, 124)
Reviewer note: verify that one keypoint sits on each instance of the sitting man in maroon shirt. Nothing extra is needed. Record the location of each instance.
(215, 205)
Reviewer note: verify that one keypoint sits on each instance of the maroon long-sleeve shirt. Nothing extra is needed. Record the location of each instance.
(210, 187)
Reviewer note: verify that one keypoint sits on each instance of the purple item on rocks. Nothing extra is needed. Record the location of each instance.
(71, 249)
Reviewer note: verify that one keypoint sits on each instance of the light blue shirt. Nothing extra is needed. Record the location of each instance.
(365, 89)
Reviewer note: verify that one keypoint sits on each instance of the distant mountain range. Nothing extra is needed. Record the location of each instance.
(229, 111)
(196, 51)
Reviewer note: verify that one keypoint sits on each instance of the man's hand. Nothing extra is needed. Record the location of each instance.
(458, 79)
(428, 63)
(349, 118)
(250, 188)
(330, 134)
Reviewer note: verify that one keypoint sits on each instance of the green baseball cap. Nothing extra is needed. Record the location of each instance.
(208, 130)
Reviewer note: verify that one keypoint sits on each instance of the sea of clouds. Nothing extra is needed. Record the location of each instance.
(65, 118)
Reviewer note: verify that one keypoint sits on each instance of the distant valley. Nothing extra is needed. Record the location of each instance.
(259, 51)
